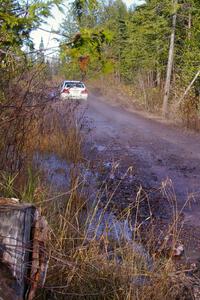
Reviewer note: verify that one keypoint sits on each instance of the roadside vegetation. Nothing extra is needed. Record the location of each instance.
(131, 48)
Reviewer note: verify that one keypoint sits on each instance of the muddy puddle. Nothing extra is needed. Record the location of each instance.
(101, 222)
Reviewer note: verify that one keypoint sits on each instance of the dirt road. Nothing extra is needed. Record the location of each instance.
(155, 149)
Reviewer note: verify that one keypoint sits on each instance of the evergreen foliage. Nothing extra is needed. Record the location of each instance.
(135, 42)
(17, 20)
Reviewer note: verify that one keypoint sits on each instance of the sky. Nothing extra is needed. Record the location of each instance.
(53, 23)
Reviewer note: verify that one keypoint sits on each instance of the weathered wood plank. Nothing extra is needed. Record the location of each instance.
(22, 249)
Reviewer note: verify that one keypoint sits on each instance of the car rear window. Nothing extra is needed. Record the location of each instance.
(74, 84)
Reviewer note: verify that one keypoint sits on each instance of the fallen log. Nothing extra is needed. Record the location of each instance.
(23, 257)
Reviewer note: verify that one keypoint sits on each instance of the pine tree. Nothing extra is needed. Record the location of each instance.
(41, 57)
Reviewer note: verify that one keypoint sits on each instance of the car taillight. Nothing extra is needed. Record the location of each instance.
(66, 91)
(84, 91)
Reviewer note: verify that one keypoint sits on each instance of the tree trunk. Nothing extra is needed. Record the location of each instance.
(189, 25)
(170, 63)
(189, 87)
(158, 78)
(189, 22)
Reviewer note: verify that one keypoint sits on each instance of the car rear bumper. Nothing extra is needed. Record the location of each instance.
(64, 96)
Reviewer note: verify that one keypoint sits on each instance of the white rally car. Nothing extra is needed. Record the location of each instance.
(73, 90)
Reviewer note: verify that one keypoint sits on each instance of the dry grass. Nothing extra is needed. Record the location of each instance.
(21, 103)
(138, 95)
(99, 266)
(144, 95)
(58, 130)
(31, 120)
(66, 145)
